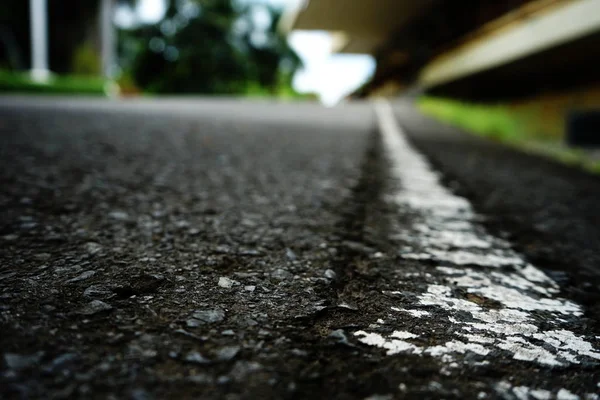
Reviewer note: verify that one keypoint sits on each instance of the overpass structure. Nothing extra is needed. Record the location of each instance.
(476, 49)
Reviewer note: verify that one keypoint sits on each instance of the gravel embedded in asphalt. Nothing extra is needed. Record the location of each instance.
(229, 249)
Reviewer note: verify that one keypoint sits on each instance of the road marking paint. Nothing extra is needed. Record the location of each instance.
(506, 390)
(505, 303)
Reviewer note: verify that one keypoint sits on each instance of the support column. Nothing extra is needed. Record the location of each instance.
(107, 37)
(39, 39)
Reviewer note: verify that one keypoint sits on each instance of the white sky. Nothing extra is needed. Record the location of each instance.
(332, 76)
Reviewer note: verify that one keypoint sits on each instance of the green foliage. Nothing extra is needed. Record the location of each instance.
(502, 123)
(22, 83)
(282, 90)
(221, 49)
(86, 61)
(495, 122)
(127, 86)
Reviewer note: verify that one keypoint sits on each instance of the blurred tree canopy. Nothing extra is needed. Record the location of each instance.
(211, 46)
(200, 46)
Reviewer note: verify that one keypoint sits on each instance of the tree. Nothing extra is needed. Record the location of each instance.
(274, 61)
(209, 46)
(187, 53)
(201, 46)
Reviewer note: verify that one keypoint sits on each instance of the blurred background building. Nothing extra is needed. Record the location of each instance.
(473, 49)
(177, 46)
(509, 69)
(521, 71)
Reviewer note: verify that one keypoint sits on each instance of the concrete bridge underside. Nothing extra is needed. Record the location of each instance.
(504, 49)
(359, 26)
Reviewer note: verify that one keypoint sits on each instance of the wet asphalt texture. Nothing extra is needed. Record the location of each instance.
(228, 249)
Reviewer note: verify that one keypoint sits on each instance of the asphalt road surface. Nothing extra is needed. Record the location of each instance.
(215, 248)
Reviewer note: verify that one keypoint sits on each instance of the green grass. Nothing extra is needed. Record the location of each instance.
(508, 125)
(490, 121)
(282, 92)
(15, 82)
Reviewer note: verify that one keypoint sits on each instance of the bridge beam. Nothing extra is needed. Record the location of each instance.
(565, 23)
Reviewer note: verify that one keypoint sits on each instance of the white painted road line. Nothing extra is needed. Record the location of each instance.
(511, 308)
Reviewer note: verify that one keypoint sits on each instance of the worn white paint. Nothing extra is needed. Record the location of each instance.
(494, 299)
(462, 257)
(506, 390)
(564, 394)
(414, 313)
(393, 346)
(510, 289)
(403, 335)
